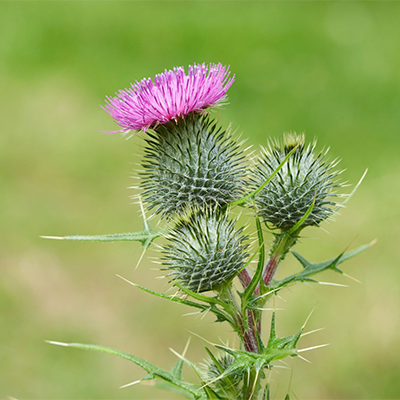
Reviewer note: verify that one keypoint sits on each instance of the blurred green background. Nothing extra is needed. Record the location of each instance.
(330, 69)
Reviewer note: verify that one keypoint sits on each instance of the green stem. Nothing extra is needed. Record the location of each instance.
(232, 308)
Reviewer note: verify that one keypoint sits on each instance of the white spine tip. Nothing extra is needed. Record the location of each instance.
(126, 280)
(130, 384)
(57, 343)
(53, 237)
(312, 348)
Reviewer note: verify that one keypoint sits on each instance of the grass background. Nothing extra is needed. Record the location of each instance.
(330, 69)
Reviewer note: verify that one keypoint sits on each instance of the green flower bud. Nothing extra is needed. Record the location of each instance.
(191, 162)
(304, 177)
(214, 372)
(205, 252)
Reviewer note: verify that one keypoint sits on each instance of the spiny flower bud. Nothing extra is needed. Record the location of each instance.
(304, 177)
(205, 251)
(191, 162)
(214, 372)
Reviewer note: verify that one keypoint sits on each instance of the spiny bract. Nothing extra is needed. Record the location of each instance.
(305, 176)
(191, 162)
(205, 251)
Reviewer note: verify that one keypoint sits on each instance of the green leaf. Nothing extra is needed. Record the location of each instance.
(207, 390)
(145, 237)
(276, 349)
(287, 342)
(253, 194)
(352, 192)
(261, 260)
(175, 299)
(153, 370)
(164, 385)
(311, 269)
(176, 370)
(221, 316)
(303, 219)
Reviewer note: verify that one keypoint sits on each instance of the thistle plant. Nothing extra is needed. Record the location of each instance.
(194, 178)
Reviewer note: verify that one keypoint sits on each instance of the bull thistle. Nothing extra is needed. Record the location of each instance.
(194, 175)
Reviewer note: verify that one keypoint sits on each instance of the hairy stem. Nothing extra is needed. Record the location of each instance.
(283, 243)
(244, 278)
(250, 342)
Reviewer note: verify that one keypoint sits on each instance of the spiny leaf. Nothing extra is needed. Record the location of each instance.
(276, 349)
(221, 316)
(275, 343)
(152, 369)
(208, 391)
(311, 269)
(145, 237)
(164, 385)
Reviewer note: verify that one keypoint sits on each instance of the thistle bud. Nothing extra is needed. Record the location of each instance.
(306, 177)
(214, 372)
(191, 162)
(205, 252)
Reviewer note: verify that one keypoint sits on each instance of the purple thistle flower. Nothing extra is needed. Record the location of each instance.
(171, 95)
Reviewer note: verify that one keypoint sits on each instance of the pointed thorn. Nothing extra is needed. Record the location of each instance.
(332, 284)
(177, 354)
(130, 384)
(351, 277)
(141, 257)
(53, 237)
(310, 332)
(200, 337)
(186, 347)
(191, 313)
(126, 280)
(57, 343)
(282, 366)
(304, 359)
(309, 316)
(312, 348)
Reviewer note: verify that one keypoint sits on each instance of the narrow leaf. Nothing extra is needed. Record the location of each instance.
(175, 299)
(352, 192)
(143, 237)
(261, 260)
(253, 194)
(303, 218)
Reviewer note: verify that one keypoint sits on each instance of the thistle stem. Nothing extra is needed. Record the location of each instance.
(244, 278)
(270, 268)
(250, 342)
(283, 243)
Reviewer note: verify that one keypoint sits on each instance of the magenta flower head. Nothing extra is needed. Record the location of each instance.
(171, 95)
